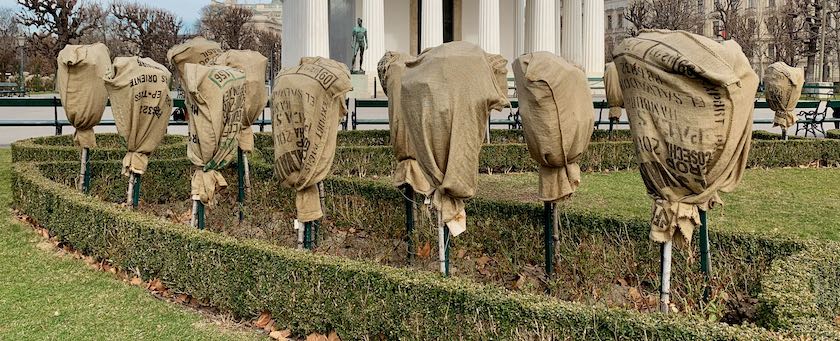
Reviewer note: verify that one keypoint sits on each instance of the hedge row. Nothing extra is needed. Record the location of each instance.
(833, 134)
(313, 292)
(508, 230)
(109, 147)
(600, 156)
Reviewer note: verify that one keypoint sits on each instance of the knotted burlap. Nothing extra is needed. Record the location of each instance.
(253, 64)
(140, 102)
(782, 88)
(449, 92)
(690, 102)
(215, 95)
(613, 89)
(197, 50)
(391, 69)
(81, 69)
(556, 107)
(307, 103)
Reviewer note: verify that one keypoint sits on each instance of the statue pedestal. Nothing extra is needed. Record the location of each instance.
(360, 86)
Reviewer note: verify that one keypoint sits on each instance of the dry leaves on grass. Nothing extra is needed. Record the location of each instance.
(425, 250)
(281, 335)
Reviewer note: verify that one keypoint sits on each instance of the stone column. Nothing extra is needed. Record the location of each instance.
(593, 38)
(431, 27)
(519, 31)
(488, 26)
(373, 16)
(541, 25)
(292, 34)
(572, 48)
(316, 27)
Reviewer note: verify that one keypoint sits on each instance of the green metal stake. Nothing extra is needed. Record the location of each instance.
(240, 171)
(443, 245)
(135, 195)
(307, 235)
(446, 254)
(705, 255)
(200, 215)
(85, 170)
(408, 200)
(548, 240)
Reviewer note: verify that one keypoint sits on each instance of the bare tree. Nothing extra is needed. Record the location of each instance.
(664, 14)
(146, 31)
(833, 33)
(786, 29)
(63, 20)
(269, 45)
(737, 25)
(228, 25)
(9, 56)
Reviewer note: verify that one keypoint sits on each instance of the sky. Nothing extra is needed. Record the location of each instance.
(188, 10)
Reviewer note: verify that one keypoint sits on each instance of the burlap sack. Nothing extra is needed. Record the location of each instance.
(215, 95)
(452, 89)
(81, 69)
(782, 88)
(391, 68)
(690, 102)
(253, 64)
(140, 102)
(307, 103)
(556, 107)
(613, 89)
(197, 50)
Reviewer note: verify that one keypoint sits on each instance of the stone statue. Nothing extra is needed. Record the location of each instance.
(360, 42)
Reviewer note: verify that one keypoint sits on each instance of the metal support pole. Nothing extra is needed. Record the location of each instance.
(322, 195)
(55, 117)
(84, 172)
(135, 198)
(408, 200)
(307, 235)
(198, 214)
(443, 245)
(240, 172)
(665, 277)
(129, 194)
(784, 134)
(548, 238)
(705, 255)
(247, 174)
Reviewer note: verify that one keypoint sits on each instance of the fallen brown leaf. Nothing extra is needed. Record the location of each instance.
(263, 320)
(425, 250)
(156, 285)
(281, 335)
(182, 298)
(136, 281)
(316, 337)
(333, 337)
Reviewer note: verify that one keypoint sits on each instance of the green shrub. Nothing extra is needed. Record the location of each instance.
(109, 147)
(832, 134)
(313, 292)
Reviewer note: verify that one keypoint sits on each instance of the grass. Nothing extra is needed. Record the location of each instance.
(797, 202)
(47, 296)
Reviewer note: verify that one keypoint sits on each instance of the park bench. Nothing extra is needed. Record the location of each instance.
(9, 89)
(812, 120)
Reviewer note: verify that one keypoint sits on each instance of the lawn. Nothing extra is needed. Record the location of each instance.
(794, 202)
(47, 296)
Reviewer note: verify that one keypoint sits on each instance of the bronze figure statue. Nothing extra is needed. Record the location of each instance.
(360, 42)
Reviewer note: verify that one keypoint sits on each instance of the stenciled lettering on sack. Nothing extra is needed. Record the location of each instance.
(222, 77)
(323, 76)
(288, 163)
(144, 78)
(148, 94)
(687, 161)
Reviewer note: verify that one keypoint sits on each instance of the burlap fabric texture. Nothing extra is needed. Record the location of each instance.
(615, 99)
(253, 64)
(197, 50)
(449, 93)
(556, 107)
(782, 88)
(140, 102)
(81, 69)
(391, 68)
(690, 102)
(215, 95)
(307, 103)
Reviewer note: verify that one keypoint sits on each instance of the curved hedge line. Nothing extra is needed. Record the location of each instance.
(109, 147)
(313, 292)
(798, 296)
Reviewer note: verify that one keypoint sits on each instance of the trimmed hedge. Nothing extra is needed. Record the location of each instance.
(109, 147)
(313, 292)
(378, 301)
(832, 134)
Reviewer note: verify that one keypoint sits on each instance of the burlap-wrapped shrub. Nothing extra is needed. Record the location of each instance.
(81, 69)
(782, 88)
(253, 64)
(391, 69)
(612, 86)
(216, 98)
(307, 103)
(556, 107)
(453, 88)
(140, 102)
(690, 102)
